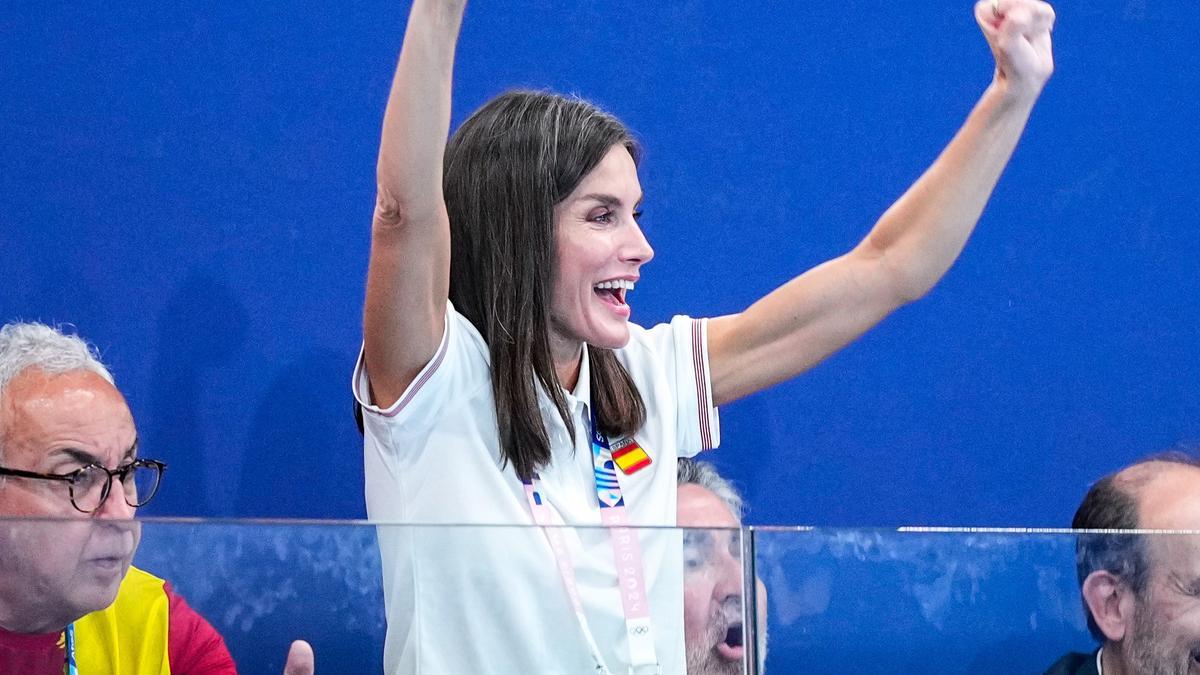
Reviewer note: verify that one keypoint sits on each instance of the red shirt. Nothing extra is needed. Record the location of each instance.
(194, 647)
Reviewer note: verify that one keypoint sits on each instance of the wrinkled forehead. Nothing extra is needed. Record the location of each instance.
(40, 412)
(700, 507)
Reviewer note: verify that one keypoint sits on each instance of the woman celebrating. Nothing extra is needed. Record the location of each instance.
(503, 384)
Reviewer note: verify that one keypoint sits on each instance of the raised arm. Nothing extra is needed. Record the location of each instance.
(409, 274)
(915, 241)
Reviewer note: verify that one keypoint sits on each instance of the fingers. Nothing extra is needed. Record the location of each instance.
(1041, 44)
(987, 13)
(1016, 21)
(1018, 33)
(300, 659)
(1015, 17)
(1024, 21)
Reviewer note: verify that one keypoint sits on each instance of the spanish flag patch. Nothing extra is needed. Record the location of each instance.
(629, 456)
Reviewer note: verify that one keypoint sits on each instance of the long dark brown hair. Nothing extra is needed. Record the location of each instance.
(506, 168)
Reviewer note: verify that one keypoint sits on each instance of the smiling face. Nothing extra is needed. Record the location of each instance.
(55, 572)
(600, 249)
(1165, 634)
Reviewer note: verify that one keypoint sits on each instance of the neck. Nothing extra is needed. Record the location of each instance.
(16, 620)
(1112, 660)
(567, 358)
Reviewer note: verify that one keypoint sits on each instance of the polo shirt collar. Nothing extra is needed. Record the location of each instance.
(582, 394)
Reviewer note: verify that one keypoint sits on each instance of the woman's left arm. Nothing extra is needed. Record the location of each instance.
(915, 241)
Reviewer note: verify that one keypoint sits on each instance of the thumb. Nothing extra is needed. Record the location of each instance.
(988, 17)
(300, 660)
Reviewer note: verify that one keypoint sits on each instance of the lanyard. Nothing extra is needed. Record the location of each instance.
(627, 554)
(69, 639)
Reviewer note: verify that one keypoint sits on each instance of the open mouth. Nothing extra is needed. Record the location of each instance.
(733, 636)
(613, 292)
(731, 647)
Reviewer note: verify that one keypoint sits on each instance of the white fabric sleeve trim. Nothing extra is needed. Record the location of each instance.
(361, 383)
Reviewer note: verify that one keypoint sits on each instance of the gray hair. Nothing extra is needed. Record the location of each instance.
(695, 472)
(36, 345)
(704, 474)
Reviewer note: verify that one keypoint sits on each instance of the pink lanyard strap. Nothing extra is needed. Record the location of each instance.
(627, 554)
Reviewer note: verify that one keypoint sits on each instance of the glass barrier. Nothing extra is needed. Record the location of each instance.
(924, 600)
(827, 601)
(262, 584)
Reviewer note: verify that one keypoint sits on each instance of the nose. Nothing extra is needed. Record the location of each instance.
(637, 248)
(115, 507)
(728, 584)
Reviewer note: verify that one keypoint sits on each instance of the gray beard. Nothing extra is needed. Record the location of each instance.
(1148, 655)
(708, 662)
(703, 659)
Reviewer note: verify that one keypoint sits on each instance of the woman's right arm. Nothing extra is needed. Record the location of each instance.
(408, 278)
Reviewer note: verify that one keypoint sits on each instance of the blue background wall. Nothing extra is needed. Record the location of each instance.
(191, 186)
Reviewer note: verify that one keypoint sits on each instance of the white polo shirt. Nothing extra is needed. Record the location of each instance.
(488, 598)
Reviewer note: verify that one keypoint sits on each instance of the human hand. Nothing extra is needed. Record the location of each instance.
(1018, 32)
(300, 659)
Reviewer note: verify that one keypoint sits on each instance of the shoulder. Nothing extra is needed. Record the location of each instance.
(669, 364)
(682, 334)
(460, 363)
(194, 646)
(137, 577)
(1074, 663)
(139, 587)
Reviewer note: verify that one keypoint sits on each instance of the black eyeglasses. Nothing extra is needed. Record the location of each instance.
(90, 485)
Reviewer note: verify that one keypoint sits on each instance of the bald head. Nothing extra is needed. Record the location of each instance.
(56, 422)
(1154, 487)
(1167, 494)
(1161, 492)
(35, 348)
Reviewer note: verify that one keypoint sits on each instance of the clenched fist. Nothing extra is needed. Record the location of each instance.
(1018, 31)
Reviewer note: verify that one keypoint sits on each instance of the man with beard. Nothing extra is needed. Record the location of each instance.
(70, 600)
(712, 559)
(1141, 592)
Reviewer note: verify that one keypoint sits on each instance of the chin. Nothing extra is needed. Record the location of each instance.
(95, 599)
(610, 338)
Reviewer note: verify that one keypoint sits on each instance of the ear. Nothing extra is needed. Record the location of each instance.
(1111, 602)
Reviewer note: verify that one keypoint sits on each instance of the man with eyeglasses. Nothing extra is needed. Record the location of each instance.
(70, 601)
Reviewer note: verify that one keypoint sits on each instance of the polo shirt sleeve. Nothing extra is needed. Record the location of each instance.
(680, 353)
(459, 361)
(193, 645)
(699, 423)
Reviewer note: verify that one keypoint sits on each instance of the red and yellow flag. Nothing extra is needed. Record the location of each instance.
(629, 456)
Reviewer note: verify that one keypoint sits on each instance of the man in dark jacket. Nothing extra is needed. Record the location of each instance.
(1141, 592)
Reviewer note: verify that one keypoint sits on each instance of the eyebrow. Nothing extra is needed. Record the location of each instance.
(85, 458)
(611, 200)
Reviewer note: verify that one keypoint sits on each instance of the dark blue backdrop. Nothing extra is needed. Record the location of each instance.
(191, 186)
